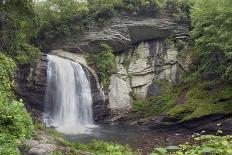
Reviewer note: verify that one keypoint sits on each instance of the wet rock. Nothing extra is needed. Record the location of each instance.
(31, 83)
(153, 90)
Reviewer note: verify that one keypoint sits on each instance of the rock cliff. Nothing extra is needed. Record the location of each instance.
(142, 57)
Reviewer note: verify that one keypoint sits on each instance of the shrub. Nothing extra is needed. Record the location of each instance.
(211, 22)
(105, 64)
(27, 54)
(15, 122)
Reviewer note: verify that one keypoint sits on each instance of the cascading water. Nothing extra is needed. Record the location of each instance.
(68, 100)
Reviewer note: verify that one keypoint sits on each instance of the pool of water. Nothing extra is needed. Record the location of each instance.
(136, 137)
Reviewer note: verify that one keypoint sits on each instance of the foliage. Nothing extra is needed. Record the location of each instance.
(179, 8)
(105, 64)
(205, 144)
(211, 22)
(100, 147)
(101, 10)
(27, 54)
(60, 18)
(15, 122)
(50, 131)
(18, 26)
(69, 18)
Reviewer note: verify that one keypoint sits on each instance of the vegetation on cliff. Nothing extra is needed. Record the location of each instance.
(18, 24)
(105, 64)
(15, 122)
(211, 34)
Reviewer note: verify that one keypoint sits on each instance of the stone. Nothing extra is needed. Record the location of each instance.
(36, 151)
(31, 83)
(153, 90)
(31, 143)
(47, 147)
(119, 94)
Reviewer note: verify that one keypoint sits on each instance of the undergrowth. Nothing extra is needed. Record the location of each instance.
(202, 98)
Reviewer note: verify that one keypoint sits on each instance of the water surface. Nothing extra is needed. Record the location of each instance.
(136, 137)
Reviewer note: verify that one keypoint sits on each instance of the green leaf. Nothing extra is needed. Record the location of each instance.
(161, 150)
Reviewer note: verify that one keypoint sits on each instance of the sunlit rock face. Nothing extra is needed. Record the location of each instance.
(119, 95)
(138, 68)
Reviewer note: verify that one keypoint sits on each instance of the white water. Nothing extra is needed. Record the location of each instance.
(68, 103)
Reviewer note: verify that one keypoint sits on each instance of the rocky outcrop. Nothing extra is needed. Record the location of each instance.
(138, 68)
(122, 33)
(31, 83)
(210, 123)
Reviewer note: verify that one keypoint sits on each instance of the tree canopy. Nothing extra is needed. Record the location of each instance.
(211, 33)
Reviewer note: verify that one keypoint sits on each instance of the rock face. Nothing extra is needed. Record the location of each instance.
(31, 83)
(138, 68)
(122, 33)
(119, 98)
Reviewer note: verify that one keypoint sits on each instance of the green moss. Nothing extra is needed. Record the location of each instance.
(158, 104)
(204, 99)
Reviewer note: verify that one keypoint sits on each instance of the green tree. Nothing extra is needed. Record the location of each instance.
(18, 24)
(212, 31)
(60, 18)
(15, 122)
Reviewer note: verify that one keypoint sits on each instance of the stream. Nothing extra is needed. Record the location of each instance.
(137, 138)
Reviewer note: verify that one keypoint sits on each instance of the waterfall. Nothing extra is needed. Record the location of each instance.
(68, 102)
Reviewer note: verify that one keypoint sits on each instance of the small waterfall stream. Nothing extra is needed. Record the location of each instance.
(68, 99)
